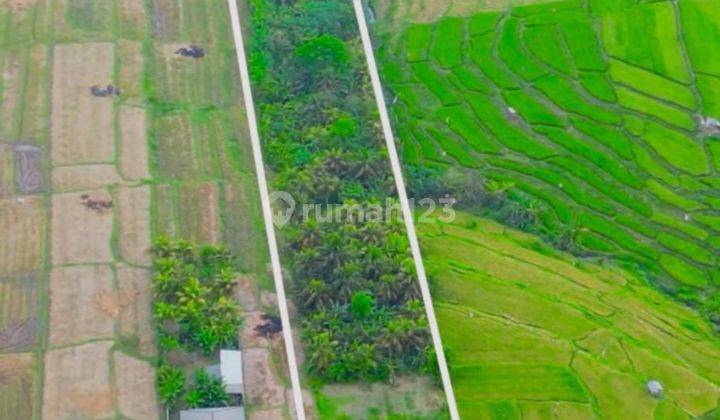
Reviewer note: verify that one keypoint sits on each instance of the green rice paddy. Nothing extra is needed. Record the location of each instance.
(591, 108)
(534, 333)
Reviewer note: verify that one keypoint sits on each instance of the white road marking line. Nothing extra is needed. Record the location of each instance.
(267, 211)
(407, 213)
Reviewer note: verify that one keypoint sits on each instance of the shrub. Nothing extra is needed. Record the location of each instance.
(207, 391)
(170, 384)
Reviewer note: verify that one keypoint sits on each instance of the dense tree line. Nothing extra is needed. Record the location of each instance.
(354, 282)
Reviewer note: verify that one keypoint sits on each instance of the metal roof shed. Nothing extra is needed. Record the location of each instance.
(231, 370)
(220, 413)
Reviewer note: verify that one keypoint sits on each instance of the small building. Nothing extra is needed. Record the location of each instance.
(219, 413)
(229, 370)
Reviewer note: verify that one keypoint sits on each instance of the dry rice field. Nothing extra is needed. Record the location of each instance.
(86, 182)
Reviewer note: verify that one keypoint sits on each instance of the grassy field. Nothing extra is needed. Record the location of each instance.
(602, 134)
(534, 333)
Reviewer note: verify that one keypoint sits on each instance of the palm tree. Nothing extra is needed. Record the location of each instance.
(323, 351)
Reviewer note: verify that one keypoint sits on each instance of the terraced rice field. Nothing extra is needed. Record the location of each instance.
(591, 109)
(535, 333)
(86, 182)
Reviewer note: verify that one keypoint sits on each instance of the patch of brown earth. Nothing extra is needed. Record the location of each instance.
(84, 177)
(133, 143)
(134, 304)
(82, 125)
(261, 388)
(249, 336)
(22, 223)
(131, 67)
(81, 234)
(133, 206)
(268, 414)
(77, 382)
(15, 364)
(82, 299)
(135, 387)
(18, 5)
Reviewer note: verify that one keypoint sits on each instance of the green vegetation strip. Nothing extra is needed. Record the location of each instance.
(552, 106)
(525, 324)
(354, 282)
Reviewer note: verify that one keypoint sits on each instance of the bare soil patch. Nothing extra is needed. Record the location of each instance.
(77, 382)
(133, 143)
(268, 414)
(22, 223)
(261, 388)
(135, 386)
(18, 5)
(84, 177)
(81, 234)
(28, 175)
(82, 129)
(133, 205)
(79, 300)
(134, 306)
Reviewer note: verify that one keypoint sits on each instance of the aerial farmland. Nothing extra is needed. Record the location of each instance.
(346, 209)
(117, 145)
(580, 139)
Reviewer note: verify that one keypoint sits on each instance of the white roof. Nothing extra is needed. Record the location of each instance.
(220, 413)
(231, 370)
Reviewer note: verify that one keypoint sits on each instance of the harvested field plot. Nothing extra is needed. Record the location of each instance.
(19, 310)
(81, 227)
(16, 386)
(83, 304)
(82, 128)
(84, 177)
(22, 223)
(133, 143)
(77, 382)
(133, 307)
(133, 209)
(135, 381)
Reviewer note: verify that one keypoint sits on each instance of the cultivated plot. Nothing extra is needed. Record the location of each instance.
(112, 138)
(592, 126)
